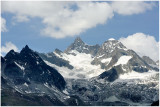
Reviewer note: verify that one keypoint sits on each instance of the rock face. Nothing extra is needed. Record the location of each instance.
(81, 47)
(10, 96)
(148, 60)
(115, 50)
(112, 74)
(52, 58)
(27, 66)
(113, 54)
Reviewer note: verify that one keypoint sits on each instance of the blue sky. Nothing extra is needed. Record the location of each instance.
(119, 24)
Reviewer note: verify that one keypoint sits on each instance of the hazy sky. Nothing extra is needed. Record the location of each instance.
(45, 26)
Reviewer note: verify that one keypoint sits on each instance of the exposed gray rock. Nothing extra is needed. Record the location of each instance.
(54, 59)
(81, 47)
(114, 49)
(148, 60)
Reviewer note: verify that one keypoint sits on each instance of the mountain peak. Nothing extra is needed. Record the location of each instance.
(26, 47)
(11, 52)
(110, 45)
(78, 40)
(82, 47)
(26, 50)
(58, 51)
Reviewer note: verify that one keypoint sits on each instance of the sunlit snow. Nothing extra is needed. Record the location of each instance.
(82, 66)
(21, 67)
(123, 60)
(136, 75)
(106, 60)
(111, 39)
(112, 99)
(25, 84)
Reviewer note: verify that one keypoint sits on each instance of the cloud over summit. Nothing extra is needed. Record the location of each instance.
(143, 44)
(8, 46)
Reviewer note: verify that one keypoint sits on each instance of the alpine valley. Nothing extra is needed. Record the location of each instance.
(82, 75)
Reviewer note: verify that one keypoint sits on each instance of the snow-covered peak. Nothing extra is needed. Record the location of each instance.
(110, 45)
(111, 39)
(26, 50)
(82, 47)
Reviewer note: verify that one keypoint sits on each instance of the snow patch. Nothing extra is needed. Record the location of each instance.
(85, 48)
(65, 91)
(25, 84)
(100, 56)
(46, 84)
(123, 60)
(106, 60)
(56, 54)
(137, 75)
(28, 92)
(112, 99)
(76, 101)
(21, 67)
(37, 62)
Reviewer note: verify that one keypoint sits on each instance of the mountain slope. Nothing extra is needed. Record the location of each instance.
(87, 65)
(82, 75)
(27, 66)
(148, 60)
(52, 58)
(81, 47)
(113, 54)
(11, 97)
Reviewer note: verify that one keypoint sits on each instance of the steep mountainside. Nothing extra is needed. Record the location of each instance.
(81, 47)
(27, 66)
(111, 53)
(27, 78)
(148, 60)
(106, 75)
(52, 58)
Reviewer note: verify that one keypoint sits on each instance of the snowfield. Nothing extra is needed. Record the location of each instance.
(136, 75)
(83, 69)
(82, 66)
(106, 60)
(123, 60)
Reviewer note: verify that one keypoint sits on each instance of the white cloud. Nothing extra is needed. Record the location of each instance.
(142, 44)
(8, 46)
(67, 19)
(61, 19)
(131, 7)
(3, 25)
